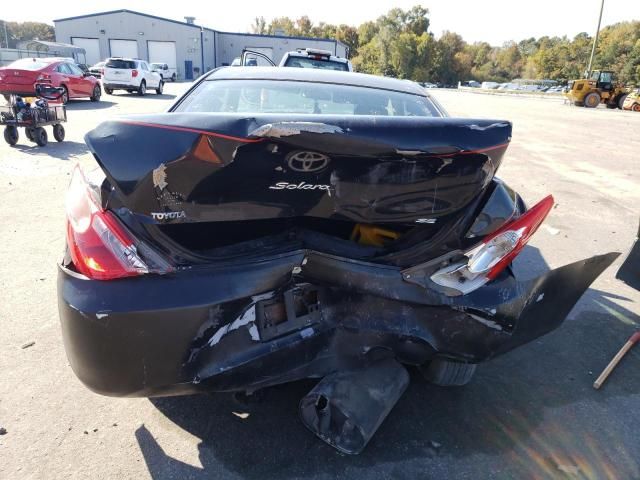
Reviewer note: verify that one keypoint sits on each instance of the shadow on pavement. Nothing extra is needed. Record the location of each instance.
(89, 105)
(504, 423)
(63, 150)
(150, 94)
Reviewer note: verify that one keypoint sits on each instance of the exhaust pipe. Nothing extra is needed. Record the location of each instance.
(346, 408)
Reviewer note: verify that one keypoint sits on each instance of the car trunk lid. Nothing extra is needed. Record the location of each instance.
(14, 76)
(187, 169)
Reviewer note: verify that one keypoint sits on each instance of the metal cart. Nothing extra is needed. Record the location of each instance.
(34, 117)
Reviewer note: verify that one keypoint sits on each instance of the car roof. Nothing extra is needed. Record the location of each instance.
(316, 75)
(303, 54)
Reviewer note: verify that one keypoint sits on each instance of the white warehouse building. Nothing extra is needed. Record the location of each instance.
(189, 48)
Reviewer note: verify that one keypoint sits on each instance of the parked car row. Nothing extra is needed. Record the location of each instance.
(21, 77)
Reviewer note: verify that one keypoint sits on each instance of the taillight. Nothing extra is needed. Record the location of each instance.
(134, 73)
(487, 259)
(44, 78)
(99, 245)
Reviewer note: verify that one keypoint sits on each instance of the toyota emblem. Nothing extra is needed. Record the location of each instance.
(307, 162)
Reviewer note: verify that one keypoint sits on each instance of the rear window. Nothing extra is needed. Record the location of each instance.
(117, 63)
(302, 62)
(28, 64)
(273, 96)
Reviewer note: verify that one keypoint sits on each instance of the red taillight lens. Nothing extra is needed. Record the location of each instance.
(134, 73)
(100, 247)
(487, 259)
(519, 232)
(44, 78)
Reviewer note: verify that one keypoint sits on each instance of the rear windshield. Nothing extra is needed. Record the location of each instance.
(285, 96)
(302, 62)
(28, 64)
(117, 63)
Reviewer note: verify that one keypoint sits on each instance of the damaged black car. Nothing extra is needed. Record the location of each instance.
(279, 224)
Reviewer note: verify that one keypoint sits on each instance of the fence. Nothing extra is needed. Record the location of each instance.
(8, 55)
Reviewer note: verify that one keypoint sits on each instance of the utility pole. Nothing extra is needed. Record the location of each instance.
(6, 37)
(595, 41)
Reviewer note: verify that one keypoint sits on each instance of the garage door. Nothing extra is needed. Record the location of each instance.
(124, 48)
(91, 47)
(162, 52)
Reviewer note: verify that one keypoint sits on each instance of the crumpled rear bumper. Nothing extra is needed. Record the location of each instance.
(299, 315)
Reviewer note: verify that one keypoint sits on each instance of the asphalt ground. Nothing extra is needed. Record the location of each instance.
(529, 414)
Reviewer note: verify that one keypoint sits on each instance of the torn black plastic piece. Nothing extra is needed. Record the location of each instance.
(346, 408)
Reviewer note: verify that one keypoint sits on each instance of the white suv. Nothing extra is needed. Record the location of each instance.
(312, 58)
(130, 74)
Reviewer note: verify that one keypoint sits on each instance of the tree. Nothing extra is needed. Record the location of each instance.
(259, 25)
(23, 31)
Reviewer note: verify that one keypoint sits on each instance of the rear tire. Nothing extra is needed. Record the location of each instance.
(65, 95)
(96, 94)
(636, 107)
(447, 373)
(108, 91)
(592, 100)
(58, 132)
(40, 136)
(29, 134)
(173, 77)
(11, 135)
(160, 87)
(142, 89)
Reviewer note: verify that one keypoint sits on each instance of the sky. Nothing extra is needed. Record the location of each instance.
(493, 21)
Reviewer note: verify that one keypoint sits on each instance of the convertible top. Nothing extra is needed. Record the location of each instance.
(317, 76)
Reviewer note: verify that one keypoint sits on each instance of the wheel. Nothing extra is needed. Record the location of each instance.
(40, 136)
(11, 135)
(621, 100)
(108, 91)
(142, 89)
(29, 133)
(578, 104)
(612, 105)
(65, 95)
(160, 86)
(592, 100)
(58, 132)
(636, 107)
(447, 373)
(96, 94)
(173, 77)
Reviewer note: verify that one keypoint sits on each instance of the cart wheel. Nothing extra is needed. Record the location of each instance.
(40, 136)
(29, 133)
(58, 132)
(11, 135)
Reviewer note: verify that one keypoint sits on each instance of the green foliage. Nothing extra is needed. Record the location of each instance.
(20, 31)
(400, 44)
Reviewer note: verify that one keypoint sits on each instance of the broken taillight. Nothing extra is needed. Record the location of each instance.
(100, 246)
(487, 259)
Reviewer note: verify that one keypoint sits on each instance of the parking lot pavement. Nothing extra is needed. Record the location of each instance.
(529, 414)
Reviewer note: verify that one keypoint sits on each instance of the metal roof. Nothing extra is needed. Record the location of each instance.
(124, 10)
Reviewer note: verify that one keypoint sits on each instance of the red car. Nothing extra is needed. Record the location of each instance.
(21, 77)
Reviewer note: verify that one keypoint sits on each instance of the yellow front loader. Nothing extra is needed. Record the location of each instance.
(600, 87)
